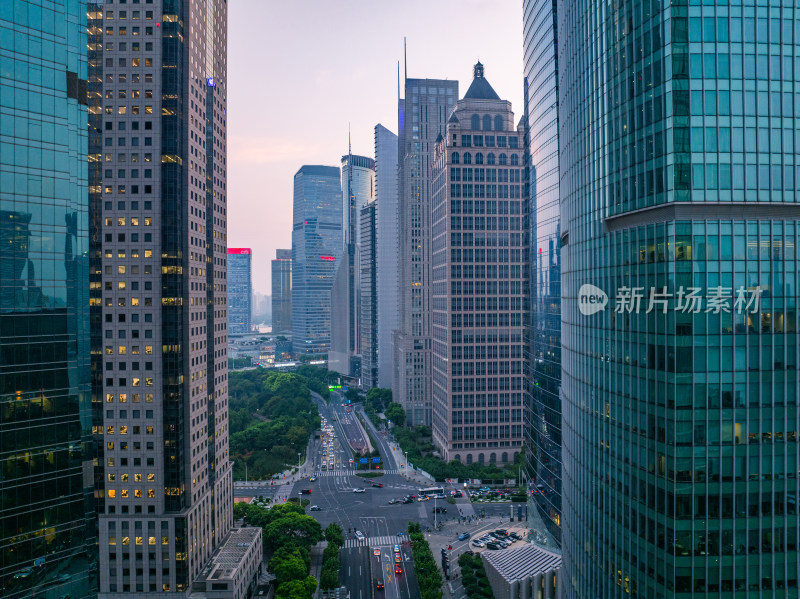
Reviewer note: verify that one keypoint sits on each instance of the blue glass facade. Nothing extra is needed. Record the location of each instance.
(678, 133)
(240, 290)
(543, 333)
(47, 523)
(316, 248)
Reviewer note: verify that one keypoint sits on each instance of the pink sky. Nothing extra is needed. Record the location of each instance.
(300, 71)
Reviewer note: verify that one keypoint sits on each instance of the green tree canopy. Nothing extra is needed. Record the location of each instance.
(333, 534)
(396, 414)
(292, 529)
(297, 589)
(287, 564)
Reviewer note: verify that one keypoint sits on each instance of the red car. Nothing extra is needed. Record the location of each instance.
(398, 570)
(379, 584)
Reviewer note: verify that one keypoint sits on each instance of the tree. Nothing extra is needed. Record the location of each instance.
(297, 589)
(292, 529)
(288, 564)
(396, 414)
(330, 575)
(333, 534)
(352, 394)
(239, 510)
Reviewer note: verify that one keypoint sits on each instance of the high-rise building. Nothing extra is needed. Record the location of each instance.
(240, 290)
(422, 116)
(282, 291)
(157, 191)
(47, 521)
(478, 269)
(543, 328)
(316, 250)
(679, 229)
(358, 187)
(387, 246)
(368, 315)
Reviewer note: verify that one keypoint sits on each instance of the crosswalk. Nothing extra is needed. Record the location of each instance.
(344, 472)
(380, 541)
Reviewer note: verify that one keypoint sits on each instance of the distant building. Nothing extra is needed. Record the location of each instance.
(282, 291)
(358, 181)
(368, 323)
(316, 251)
(477, 273)
(525, 572)
(387, 245)
(240, 291)
(422, 116)
(234, 568)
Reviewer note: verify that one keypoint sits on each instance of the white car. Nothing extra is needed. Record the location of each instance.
(359, 490)
(477, 543)
(360, 535)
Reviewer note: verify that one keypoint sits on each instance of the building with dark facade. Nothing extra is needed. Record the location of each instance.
(48, 539)
(316, 249)
(422, 116)
(478, 271)
(368, 314)
(679, 227)
(387, 245)
(282, 291)
(158, 291)
(543, 330)
(240, 290)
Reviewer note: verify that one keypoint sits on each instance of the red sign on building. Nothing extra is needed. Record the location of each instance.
(239, 251)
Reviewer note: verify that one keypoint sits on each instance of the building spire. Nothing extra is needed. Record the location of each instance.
(477, 70)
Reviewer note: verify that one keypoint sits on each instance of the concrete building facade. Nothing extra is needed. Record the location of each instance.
(240, 290)
(317, 242)
(387, 240)
(422, 116)
(158, 291)
(478, 272)
(282, 291)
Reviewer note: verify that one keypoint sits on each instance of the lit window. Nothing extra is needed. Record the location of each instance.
(112, 493)
(109, 430)
(137, 382)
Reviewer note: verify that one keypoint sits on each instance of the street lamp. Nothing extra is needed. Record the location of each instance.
(406, 462)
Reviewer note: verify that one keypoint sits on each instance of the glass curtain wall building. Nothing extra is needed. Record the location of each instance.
(316, 250)
(47, 521)
(282, 291)
(678, 132)
(543, 330)
(368, 324)
(240, 290)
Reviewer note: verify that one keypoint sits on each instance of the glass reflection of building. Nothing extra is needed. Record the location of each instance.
(543, 336)
(47, 525)
(316, 249)
(678, 129)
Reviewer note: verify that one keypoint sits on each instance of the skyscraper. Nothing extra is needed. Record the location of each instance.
(368, 314)
(282, 291)
(240, 290)
(422, 116)
(387, 245)
(47, 521)
(157, 102)
(477, 274)
(358, 182)
(316, 250)
(677, 133)
(543, 332)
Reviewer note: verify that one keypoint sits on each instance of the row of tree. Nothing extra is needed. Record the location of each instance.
(429, 578)
(271, 417)
(473, 577)
(288, 534)
(330, 557)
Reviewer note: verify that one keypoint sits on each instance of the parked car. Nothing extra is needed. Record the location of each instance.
(477, 543)
(493, 546)
(515, 536)
(463, 536)
(502, 531)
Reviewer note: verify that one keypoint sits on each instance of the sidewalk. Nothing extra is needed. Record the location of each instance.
(316, 563)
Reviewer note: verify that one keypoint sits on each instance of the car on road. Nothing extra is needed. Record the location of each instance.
(408, 500)
(376, 551)
(397, 558)
(377, 485)
(393, 501)
(477, 543)
(463, 536)
(396, 548)
(357, 490)
(458, 494)
(360, 535)
(305, 492)
(315, 508)
(312, 479)
(439, 510)
(351, 460)
(398, 569)
(334, 419)
(24, 573)
(423, 498)
(379, 584)
(492, 546)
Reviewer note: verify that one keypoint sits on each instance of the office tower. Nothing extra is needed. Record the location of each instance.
(316, 249)
(368, 325)
(422, 116)
(677, 132)
(240, 291)
(358, 182)
(157, 191)
(282, 291)
(543, 330)
(477, 274)
(47, 520)
(386, 249)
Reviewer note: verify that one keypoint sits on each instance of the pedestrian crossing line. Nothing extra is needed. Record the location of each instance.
(352, 472)
(374, 541)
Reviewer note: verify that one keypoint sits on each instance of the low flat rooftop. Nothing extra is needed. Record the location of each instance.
(229, 556)
(519, 563)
